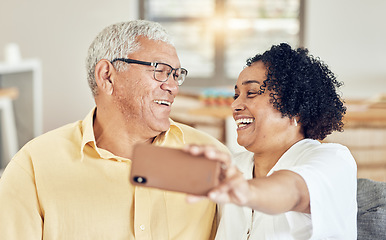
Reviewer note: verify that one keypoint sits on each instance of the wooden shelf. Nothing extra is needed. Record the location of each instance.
(365, 135)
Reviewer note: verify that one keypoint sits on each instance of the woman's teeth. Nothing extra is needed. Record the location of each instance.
(242, 122)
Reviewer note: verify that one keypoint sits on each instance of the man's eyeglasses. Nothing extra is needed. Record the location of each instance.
(162, 71)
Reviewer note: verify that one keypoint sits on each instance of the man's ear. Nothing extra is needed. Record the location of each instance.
(103, 72)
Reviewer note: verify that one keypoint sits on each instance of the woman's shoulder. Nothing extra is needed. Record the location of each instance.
(310, 151)
(310, 146)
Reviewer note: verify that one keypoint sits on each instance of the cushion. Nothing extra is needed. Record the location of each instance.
(371, 218)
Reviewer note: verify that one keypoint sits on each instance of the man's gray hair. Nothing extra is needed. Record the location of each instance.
(118, 41)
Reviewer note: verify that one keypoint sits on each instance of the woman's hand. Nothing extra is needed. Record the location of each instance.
(233, 187)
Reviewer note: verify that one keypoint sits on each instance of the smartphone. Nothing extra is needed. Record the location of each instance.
(173, 170)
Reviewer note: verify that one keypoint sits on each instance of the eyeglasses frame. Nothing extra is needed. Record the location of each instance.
(153, 64)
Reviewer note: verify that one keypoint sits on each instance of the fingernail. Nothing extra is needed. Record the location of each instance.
(211, 154)
(194, 149)
(212, 195)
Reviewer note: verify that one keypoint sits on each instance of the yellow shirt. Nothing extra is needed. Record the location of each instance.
(61, 186)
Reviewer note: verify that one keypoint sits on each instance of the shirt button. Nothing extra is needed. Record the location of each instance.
(142, 227)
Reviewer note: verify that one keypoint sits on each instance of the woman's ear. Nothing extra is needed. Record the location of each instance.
(103, 72)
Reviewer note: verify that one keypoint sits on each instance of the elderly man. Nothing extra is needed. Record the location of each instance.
(73, 182)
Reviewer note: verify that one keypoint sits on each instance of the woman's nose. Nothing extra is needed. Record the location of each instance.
(237, 105)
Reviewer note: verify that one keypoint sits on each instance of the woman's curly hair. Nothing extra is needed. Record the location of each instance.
(302, 86)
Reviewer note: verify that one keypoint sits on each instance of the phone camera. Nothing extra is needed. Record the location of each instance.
(139, 179)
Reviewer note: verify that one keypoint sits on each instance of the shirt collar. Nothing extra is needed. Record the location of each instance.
(173, 137)
(293, 154)
(88, 132)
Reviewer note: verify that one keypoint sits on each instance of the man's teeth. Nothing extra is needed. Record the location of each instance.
(244, 122)
(162, 102)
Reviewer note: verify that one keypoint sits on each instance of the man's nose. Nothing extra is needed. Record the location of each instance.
(170, 85)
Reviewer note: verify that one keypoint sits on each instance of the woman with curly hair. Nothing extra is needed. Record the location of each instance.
(288, 185)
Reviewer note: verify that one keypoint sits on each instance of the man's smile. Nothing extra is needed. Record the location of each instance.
(163, 102)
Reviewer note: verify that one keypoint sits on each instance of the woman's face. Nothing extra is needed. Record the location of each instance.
(260, 127)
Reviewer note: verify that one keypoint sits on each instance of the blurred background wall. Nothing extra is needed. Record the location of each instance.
(59, 33)
(348, 34)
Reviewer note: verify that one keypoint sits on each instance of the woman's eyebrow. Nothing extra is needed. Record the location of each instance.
(248, 82)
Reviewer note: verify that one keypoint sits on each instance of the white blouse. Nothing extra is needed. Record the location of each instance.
(330, 173)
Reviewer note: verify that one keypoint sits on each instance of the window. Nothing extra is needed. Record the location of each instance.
(215, 37)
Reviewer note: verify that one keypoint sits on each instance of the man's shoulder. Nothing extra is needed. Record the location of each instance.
(68, 131)
(195, 136)
(191, 133)
(186, 128)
